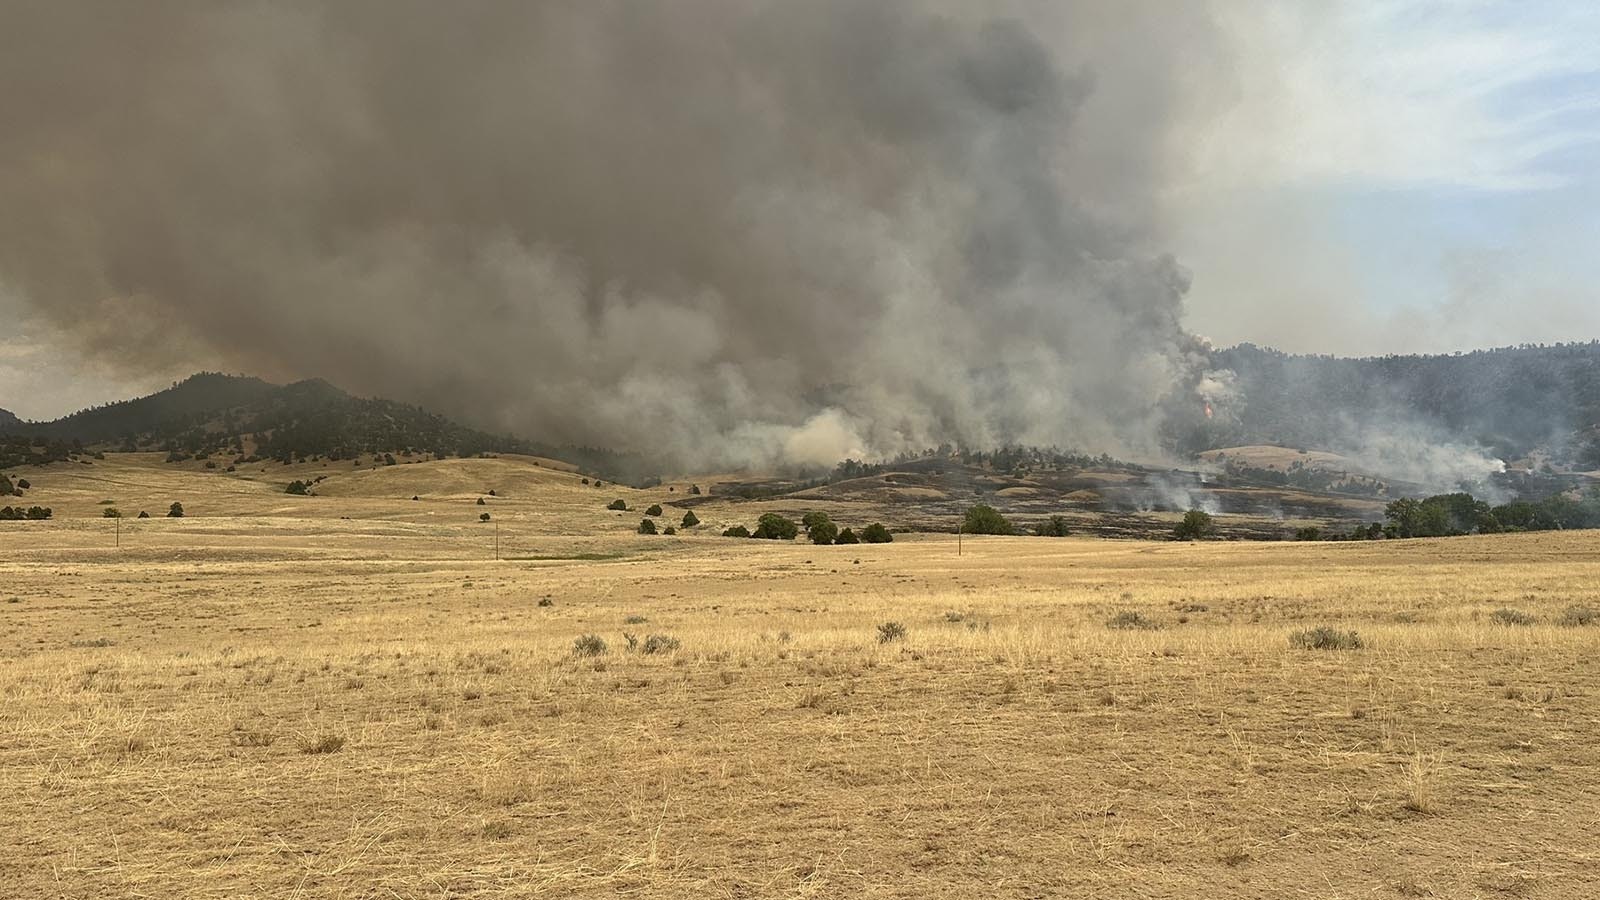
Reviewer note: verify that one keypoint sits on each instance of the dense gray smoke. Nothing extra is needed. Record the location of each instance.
(729, 231)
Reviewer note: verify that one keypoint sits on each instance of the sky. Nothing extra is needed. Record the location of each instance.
(1351, 179)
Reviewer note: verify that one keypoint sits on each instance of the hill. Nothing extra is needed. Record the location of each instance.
(1513, 402)
(245, 419)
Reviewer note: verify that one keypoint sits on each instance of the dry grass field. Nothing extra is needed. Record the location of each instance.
(267, 699)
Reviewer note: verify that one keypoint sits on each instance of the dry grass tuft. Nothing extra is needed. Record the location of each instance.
(322, 743)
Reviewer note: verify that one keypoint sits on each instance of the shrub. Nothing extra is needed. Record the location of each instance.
(39, 513)
(1196, 525)
(1507, 616)
(774, 527)
(1309, 533)
(175, 511)
(694, 489)
(1325, 638)
(660, 643)
(647, 526)
(690, 520)
(737, 531)
(823, 532)
(586, 481)
(983, 519)
(111, 512)
(1580, 615)
(589, 645)
(891, 631)
(1055, 526)
(483, 517)
(847, 537)
(654, 510)
(143, 514)
(482, 502)
(1128, 620)
(24, 484)
(669, 530)
(876, 534)
(297, 487)
(812, 518)
(619, 505)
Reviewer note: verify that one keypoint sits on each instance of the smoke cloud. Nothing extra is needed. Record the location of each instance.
(726, 231)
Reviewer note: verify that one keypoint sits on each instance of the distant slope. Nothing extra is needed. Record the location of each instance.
(1510, 400)
(234, 416)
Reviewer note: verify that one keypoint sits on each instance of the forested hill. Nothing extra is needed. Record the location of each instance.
(1511, 400)
(214, 414)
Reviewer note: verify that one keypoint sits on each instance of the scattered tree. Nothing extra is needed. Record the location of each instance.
(654, 510)
(143, 514)
(982, 519)
(111, 512)
(690, 520)
(483, 517)
(647, 526)
(694, 489)
(823, 531)
(1197, 525)
(669, 530)
(297, 487)
(847, 537)
(175, 511)
(619, 505)
(774, 527)
(1055, 526)
(736, 531)
(876, 534)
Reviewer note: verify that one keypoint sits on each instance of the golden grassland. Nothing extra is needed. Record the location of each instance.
(271, 700)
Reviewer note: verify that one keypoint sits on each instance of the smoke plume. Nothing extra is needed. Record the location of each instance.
(727, 231)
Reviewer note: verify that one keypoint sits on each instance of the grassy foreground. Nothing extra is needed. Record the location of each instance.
(317, 708)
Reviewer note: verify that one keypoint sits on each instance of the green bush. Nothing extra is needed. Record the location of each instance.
(175, 511)
(737, 531)
(823, 532)
(297, 487)
(654, 510)
(1055, 526)
(876, 534)
(669, 530)
(619, 505)
(847, 537)
(1196, 525)
(690, 520)
(773, 527)
(111, 512)
(647, 526)
(983, 519)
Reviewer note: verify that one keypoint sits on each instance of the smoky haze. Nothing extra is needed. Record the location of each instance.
(726, 231)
